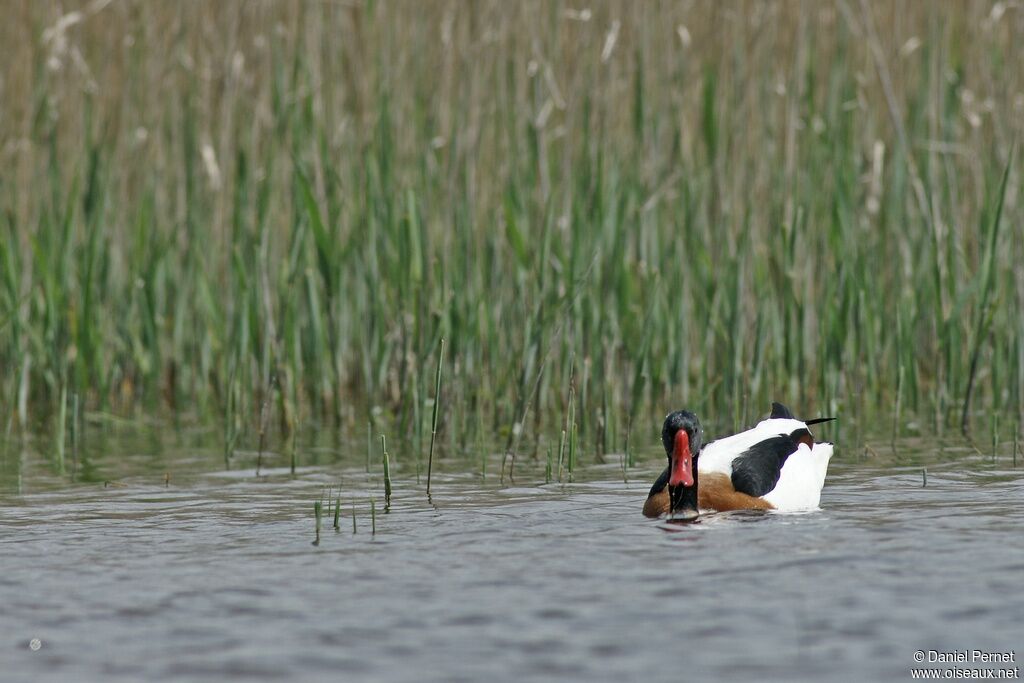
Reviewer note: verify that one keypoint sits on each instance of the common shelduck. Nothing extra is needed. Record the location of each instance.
(775, 466)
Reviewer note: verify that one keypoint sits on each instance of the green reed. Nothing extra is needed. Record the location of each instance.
(771, 204)
(433, 419)
(385, 460)
(318, 507)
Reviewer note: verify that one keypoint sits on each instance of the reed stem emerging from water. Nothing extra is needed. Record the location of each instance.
(561, 454)
(433, 420)
(387, 472)
(62, 417)
(318, 514)
(987, 283)
(293, 437)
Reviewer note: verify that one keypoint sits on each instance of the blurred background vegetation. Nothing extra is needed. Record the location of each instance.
(264, 214)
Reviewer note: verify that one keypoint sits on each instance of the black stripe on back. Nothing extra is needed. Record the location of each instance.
(756, 471)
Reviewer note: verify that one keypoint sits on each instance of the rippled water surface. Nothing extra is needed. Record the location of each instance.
(211, 575)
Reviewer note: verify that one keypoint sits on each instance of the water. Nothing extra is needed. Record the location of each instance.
(213, 576)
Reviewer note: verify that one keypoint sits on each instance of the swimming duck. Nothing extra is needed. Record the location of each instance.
(775, 466)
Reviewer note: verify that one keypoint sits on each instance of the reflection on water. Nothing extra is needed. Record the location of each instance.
(211, 574)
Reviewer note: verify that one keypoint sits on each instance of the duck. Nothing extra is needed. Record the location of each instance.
(776, 465)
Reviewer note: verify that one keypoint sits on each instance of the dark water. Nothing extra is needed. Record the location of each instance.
(213, 576)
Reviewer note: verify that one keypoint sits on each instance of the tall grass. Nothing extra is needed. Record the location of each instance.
(211, 208)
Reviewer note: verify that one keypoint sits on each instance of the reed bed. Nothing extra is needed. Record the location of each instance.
(273, 212)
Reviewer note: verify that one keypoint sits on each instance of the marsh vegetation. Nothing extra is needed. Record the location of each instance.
(267, 215)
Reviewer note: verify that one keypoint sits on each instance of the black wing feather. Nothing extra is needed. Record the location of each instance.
(756, 471)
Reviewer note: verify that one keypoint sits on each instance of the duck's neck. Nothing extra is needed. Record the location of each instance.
(684, 497)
